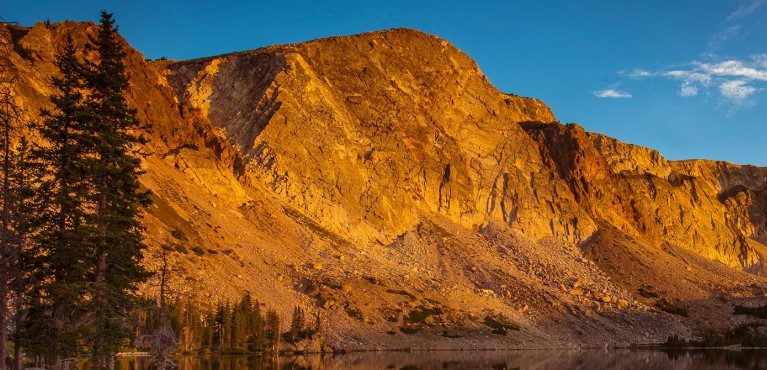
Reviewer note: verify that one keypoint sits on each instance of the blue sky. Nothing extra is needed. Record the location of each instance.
(688, 78)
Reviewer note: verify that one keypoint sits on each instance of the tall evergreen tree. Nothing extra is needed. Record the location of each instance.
(297, 325)
(258, 333)
(273, 330)
(6, 247)
(56, 302)
(114, 171)
(226, 326)
(8, 115)
(24, 190)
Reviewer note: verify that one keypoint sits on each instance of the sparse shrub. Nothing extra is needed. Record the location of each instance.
(451, 336)
(647, 292)
(669, 307)
(746, 335)
(410, 329)
(178, 234)
(675, 341)
(181, 249)
(198, 250)
(500, 325)
(400, 292)
(353, 312)
(391, 314)
(420, 313)
(758, 312)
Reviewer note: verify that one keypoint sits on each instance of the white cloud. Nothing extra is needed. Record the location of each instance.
(760, 60)
(723, 36)
(734, 80)
(689, 76)
(736, 89)
(735, 23)
(638, 73)
(734, 68)
(745, 10)
(688, 89)
(612, 93)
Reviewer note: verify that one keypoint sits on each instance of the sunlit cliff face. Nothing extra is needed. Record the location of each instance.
(377, 175)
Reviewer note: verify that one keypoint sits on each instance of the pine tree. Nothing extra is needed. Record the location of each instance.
(114, 170)
(56, 303)
(237, 327)
(22, 182)
(9, 114)
(317, 325)
(297, 325)
(258, 333)
(228, 325)
(220, 321)
(245, 308)
(273, 331)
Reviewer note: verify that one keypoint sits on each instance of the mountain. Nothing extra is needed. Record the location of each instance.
(383, 182)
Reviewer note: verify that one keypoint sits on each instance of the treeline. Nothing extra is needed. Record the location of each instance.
(71, 242)
(247, 326)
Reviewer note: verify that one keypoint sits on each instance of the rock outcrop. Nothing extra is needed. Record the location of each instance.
(380, 178)
(710, 208)
(364, 134)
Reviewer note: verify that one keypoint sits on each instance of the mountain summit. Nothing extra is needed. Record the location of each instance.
(382, 181)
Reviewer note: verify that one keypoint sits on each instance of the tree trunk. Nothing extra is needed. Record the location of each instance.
(101, 272)
(98, 344)
(99, 360)
(5, 239)
(20, 283)
(18, 357)
(3, 313)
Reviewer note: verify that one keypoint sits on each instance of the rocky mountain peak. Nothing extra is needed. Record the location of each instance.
(372, 176)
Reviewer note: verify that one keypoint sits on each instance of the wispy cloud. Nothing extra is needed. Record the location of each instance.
(688, 89)
(688, 76)
(723, 36)
(760, 60)
(735, 68)
(734, 24)
(733, 79)
(745, 10)
(736, 89)
(612, 94)
(690, 81)
(637, 73)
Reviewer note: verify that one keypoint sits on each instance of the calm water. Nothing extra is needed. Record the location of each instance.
(589, 359)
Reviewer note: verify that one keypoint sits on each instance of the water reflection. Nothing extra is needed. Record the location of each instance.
(496, 360)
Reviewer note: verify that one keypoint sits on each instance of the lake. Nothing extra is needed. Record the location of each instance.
(496, 360)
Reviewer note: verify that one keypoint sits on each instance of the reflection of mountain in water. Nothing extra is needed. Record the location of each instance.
(522, 360)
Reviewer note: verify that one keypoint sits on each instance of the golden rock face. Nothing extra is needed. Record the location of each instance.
(714, 209)
(380, 177)
(367, 133)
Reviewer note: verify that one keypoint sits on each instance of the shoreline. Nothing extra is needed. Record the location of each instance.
(413, 350)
